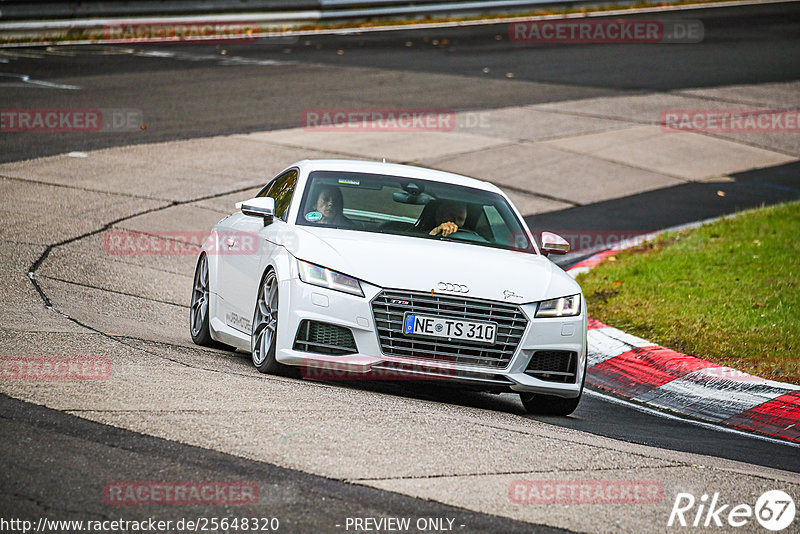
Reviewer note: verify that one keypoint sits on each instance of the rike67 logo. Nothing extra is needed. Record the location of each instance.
(774, 510)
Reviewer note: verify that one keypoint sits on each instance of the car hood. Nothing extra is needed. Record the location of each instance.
(419, 264)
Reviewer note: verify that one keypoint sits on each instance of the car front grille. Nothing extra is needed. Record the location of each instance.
(553, 365)
(389, 307)
(324, 338)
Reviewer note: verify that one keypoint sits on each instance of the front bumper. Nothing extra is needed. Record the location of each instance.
(307, 302)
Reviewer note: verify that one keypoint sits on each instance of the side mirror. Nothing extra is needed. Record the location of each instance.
(554, 244)
(263, 207)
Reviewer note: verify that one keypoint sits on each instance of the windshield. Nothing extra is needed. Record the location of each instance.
(411, 207)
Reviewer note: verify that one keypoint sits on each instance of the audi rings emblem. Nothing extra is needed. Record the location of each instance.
(455, 288)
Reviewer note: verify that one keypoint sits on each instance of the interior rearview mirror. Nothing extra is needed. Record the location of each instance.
(554, 244)
(263, 207)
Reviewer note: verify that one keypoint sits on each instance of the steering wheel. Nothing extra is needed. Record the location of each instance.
(468, 235)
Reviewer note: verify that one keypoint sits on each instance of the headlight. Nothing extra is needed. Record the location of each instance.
(560, 307)
(320, 276)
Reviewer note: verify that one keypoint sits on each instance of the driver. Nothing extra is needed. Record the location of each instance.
(450, 216)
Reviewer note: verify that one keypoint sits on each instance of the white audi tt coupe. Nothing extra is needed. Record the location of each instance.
(382, 268)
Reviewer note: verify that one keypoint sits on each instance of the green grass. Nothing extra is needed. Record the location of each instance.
(727, 292)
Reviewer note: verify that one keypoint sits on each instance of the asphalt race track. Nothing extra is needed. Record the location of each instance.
(319, 452)
(237, 94)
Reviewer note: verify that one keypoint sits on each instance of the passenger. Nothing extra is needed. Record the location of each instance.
(450, 216)
(329, 204)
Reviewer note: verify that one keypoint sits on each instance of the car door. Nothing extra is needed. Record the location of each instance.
(251, 245)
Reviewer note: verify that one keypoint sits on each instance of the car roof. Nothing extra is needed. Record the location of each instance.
(392, 169)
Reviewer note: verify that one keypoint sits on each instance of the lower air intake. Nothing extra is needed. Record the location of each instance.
(324, 338)
(554, 366)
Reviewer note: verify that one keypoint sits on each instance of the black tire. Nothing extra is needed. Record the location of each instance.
(536, 403)
(263, 337)
(548, 405)
(199, 327)
(198, 309)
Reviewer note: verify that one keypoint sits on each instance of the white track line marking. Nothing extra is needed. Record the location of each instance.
(219, 58)
(710, 426)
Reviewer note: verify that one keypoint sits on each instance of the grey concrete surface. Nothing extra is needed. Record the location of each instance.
(398, 146)
(153, 171)
(687, 155)
(85, 456)
(39, 213)
(532, 123)
(95, 269)
(493, 491)
(646, 109)
(119, 314)
(769, 95)
(23, 310)
(553, 171)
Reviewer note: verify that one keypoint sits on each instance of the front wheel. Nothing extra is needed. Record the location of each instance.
(263, 339)
(536, 403)
(199, 310)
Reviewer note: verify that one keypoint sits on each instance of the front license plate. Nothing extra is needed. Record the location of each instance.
(427, 325)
